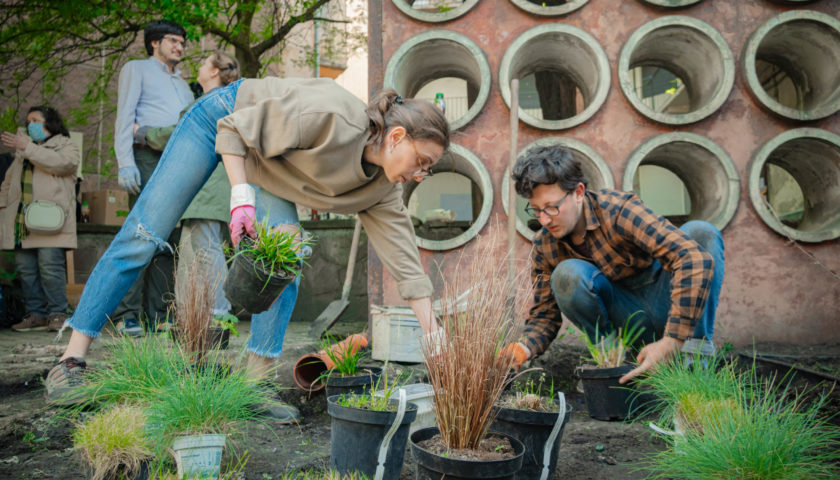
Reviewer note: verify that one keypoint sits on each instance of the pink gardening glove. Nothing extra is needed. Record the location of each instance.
(242, 223)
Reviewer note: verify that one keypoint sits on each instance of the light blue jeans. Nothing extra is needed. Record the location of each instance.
(43, 278)
(590, 299)
(184, 167)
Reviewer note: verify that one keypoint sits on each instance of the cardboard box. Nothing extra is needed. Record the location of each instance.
(107, 207)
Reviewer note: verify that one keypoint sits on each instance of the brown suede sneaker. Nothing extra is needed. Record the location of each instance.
(31, 322)
(55, 321)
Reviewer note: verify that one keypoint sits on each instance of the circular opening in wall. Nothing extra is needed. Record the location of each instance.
(593, 165)
(570, 71)
(790, 64)
(549, 8)
(445, 62)
(696, 179)
(794, 184)
(676, 70)
(435, 10)
(671, 3)
(451, 207)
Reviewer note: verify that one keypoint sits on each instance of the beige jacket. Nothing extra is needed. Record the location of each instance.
(53, 179)
(303, 141)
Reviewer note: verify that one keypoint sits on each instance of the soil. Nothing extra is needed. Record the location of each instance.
(35, 440)
(491, 447)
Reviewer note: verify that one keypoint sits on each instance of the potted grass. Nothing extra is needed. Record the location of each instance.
(531, 413)
(774, 432)
(462, 446)
(113, 443)
(313, 369)
(368, 432)
(347, 375)
(221, 328)
(261, 267)
(606, 399)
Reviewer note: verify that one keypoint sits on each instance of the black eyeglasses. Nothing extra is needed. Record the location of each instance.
(175, 40)
(551, 210)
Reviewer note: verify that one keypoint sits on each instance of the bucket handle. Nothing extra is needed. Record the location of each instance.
(561, 417)
(383, 449)
(656, 428)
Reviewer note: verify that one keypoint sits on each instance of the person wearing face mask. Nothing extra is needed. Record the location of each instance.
(303, 141)
(41, 178)
(152, 93)
(204, 224)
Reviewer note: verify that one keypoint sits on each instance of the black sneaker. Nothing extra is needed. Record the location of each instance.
(64, 382)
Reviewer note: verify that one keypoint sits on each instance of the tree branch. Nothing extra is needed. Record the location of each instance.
(280, 34)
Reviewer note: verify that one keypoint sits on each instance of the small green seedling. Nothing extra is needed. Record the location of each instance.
(535, 395)
(227, 321)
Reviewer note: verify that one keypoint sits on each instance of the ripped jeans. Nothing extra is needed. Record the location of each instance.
(184, 167)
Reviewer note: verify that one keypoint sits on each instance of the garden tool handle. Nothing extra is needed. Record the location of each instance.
(383, 449)
(549, 444)
(351, 263)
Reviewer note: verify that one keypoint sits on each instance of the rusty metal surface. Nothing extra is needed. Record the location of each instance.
(771, 291)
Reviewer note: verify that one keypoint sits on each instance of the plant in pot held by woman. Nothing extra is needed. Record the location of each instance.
(113, 443)
(605, 398)
(773, 432)
(530, 412)
(195, 414)
(468, 373)
(691, 394)
(368, 433)
(263, 266)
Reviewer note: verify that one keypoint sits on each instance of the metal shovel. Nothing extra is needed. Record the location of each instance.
(330, 315)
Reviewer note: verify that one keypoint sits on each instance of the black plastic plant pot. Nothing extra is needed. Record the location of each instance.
(356, 436)
(431, 466)
(606, 399)
(249, 286)
(345, 385)
(219, 337)
(533, 429)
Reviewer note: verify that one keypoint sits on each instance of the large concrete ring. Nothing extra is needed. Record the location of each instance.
(438, 54)
(552, 11)
(806, 45)
(689, 48)
(566, 49)
(593, 165)
(444, 16)
(708, 173)
(812, 157)
(459, 160)
(671, 3)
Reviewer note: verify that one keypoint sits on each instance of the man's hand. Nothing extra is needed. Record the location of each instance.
(652, 355)
(518, 352)
(130, 179)
(17, 141)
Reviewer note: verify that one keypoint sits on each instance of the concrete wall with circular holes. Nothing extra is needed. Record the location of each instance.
(772, 291)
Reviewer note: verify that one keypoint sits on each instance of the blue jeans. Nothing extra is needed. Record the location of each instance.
(184, 167)
(590, 300)
(43, 278)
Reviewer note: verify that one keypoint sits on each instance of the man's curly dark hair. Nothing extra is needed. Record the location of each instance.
(552, 165)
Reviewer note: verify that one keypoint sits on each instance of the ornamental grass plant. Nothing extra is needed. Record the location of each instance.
(274, 252)
(530, 394)
(113, 442)
(611, 350)
(465, 369)
(195, 298)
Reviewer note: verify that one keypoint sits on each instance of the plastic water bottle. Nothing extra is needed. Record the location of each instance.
(441, 104)
(85, 212)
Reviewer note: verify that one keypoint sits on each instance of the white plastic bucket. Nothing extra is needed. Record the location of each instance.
(422, 395)
(199, 455)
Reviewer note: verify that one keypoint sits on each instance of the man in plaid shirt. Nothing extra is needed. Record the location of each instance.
(601, 256)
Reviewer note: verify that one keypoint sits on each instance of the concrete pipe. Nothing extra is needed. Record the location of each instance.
(549, 8)
(693, 59)
(593, 165)
(671, 3)
(463, 162)
(435, 11)
(707, 172)
(441, 54)
(812, 157)
(573, 56)
(790, 64)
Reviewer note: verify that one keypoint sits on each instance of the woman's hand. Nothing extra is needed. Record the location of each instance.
(18, 142)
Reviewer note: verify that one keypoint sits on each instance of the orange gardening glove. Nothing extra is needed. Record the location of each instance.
(517, 353)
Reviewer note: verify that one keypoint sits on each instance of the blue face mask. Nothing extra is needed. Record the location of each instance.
(36, 131)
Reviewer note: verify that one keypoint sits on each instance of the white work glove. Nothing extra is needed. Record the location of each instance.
(130, 179)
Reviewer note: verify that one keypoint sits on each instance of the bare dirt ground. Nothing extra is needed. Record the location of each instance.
(35, 440)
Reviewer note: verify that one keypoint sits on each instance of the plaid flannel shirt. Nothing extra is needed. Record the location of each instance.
(624, 237)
